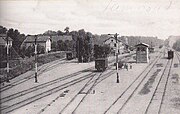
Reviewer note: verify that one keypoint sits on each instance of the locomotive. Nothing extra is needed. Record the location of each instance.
(170, 54)
(70, 55)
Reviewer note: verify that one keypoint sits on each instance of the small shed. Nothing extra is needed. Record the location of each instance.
(142, 53)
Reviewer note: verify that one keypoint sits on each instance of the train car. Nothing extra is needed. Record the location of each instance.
(69, 56)
(170, 54)
(101, 64)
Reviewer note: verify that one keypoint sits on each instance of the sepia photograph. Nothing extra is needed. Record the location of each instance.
(89, 56)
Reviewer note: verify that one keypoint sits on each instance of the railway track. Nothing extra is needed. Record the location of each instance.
(178, 55)
(40, 71)
(24, 102)
(46, 93)
(156, 101)
(95, 82)
(38, 87)
(90, 85)
(157, 98)
(36, 97)
(145, 72)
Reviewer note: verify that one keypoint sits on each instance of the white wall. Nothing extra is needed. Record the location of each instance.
(48, 45)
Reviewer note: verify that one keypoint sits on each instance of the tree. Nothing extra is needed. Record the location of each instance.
(101, 51)
(54, 46)
(40, 49)
(69, 45)
(29, 51)
(176, 45)
(17, 39)
(3, 30)
(59, 33)
(61, 45)
(80, 44)
(66, 30)
(50, 33)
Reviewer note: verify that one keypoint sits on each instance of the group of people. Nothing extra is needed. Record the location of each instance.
(127, 66)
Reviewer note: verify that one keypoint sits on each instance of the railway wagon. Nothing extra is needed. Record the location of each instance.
(170, 54)
(69, 56)
(101, 64)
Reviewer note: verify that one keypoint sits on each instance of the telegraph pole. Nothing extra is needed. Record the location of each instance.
(117, 58)
(7, 41)
(115, 36)
(36, 59)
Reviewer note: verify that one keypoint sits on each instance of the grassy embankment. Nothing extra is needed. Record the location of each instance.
(21, 66)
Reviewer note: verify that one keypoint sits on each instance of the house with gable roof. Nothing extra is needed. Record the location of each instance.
(44, 41)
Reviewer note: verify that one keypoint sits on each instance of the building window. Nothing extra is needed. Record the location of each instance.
(138, 49)
(114, 44)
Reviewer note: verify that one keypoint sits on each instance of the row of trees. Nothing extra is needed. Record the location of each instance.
(82, 43)
(101, 51)
(59, 32)
(16, 36)
(62, 45)
(29, 51)
(176, 45)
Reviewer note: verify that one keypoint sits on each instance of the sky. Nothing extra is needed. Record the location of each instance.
(159, 18)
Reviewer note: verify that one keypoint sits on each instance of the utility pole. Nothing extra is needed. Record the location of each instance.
(7, 41)
(36, 67)
(117, 72)
(117, 58)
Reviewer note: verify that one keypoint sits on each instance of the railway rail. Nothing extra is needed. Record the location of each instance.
(16, 105)
(92, 84)
(44, 94)
(95, 82)
(156, 101)
(40, 71)
(145, 72)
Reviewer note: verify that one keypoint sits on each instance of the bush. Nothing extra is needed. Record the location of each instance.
(101, 51)
(24, 66)
(176, 45)
(160, 46)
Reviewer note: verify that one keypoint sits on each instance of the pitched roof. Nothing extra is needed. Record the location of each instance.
(63, 38)
(31, 39)
(104, 37)
(113, 38)
(144, 44)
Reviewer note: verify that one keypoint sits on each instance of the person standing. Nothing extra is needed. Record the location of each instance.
(130, 65)
(126, 66)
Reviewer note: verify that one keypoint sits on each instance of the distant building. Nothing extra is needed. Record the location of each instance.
(3, 40)
(44, 41)
(112, 43)
(108, 40)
